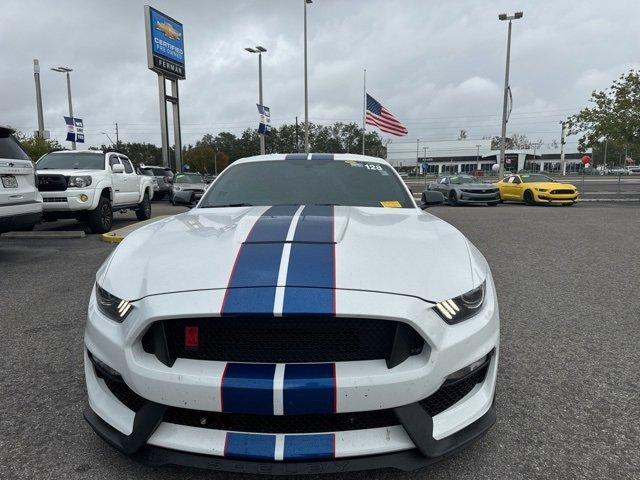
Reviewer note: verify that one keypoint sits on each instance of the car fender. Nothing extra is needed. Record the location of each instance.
(100, 186)
(144, 184)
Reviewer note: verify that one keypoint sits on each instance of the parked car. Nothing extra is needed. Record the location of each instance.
(20, 201)
(535, 188)
(90, 185)
(187, 188)
(163, 176)
(634, 170)
(293, 333)
(465, 189)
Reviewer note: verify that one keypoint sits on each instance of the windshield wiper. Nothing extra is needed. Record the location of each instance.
(228, 205)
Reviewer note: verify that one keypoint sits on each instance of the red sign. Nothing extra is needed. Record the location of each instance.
(586, 160)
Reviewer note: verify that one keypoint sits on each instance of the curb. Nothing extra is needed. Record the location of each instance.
(45, 234)
(116, 236)
(111, 237)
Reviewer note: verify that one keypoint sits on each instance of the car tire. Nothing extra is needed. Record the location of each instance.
(143, 212)
(453, 198)
(100, 219)
(528, 197)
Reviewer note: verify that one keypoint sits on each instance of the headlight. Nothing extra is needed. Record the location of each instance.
(113, 307)
(79, 182)
(461, 308)
(176, 189)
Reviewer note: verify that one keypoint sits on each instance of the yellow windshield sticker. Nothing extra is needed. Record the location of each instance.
(391, 204)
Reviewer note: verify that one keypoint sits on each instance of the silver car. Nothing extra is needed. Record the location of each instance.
(464, 189)
(187, 188)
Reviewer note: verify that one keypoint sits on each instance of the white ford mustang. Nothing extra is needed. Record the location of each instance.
(306, 316)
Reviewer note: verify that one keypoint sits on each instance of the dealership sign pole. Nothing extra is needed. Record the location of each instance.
(165, 56)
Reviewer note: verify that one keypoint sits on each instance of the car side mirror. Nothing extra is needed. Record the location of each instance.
(117, 168)
(430, 198)
(168, 179)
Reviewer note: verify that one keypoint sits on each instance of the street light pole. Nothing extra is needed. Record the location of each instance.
(36, 76)
(259, 50)
(67, 70)
(503, 139)
(306, 87)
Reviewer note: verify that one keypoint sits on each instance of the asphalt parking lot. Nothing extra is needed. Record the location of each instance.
(567, 398)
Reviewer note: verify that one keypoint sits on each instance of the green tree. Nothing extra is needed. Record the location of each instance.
(614, 117)
(205, 159)
(37, 146)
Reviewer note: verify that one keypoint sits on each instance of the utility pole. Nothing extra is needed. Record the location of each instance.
(563, 140)
(417, 154)
(117, 138)
(503, 139)
(306, 87)
(36, 76)
(259, 50)
(297, 140)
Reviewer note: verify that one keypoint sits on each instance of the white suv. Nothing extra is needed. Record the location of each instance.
(20, 201)
(90, 185)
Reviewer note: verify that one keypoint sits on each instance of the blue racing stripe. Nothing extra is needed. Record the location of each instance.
(258, 263)
(273, 225)
(309, 388)
(248, 388)
(309, 446)
(322, 156)
(296, 156)
(247, 445)
(311, 272)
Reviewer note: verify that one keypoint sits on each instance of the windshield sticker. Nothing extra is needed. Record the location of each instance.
(391, 204)
(373, 166)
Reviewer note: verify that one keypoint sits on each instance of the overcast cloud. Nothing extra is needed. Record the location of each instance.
(438, 66)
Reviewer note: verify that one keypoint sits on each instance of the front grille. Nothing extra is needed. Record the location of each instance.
(286, 339)
(450, 394)
(480, 191)
(336, 422)
(55, 200)
(51, 183)
(562, 192)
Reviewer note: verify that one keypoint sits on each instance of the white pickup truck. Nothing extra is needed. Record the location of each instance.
(90, 185)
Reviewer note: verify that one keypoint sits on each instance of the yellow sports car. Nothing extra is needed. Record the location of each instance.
(535, 188)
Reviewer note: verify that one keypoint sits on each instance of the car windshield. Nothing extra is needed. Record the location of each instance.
(460, 179)
(188, 178)
(533, 178)
(305, 182)
(71, 161)
(10, 148)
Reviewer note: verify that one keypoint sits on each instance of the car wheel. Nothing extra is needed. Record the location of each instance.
(528, 198)
(453, 198)
(143, 212)
(101, 218)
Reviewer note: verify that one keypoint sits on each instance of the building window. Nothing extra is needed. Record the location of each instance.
(469, 167)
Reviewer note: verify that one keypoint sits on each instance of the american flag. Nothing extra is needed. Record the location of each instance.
(383, 119)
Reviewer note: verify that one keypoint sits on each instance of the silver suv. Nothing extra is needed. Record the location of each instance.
(20, 201)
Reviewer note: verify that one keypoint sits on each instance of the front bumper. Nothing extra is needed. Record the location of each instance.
(186, 196)
(360, 386)
(407, 460)
(70, 200)
(547, 197)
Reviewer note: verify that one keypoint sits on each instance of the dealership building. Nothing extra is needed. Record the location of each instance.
(471, 155)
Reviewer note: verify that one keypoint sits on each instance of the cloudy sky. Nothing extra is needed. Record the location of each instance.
(438, 66)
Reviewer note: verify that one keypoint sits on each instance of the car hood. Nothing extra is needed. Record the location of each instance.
(69, 172)
(400, 251)
(201, 186)
(552, 185)
(477, 186)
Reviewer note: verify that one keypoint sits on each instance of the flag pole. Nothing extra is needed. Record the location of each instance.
(364, 105)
